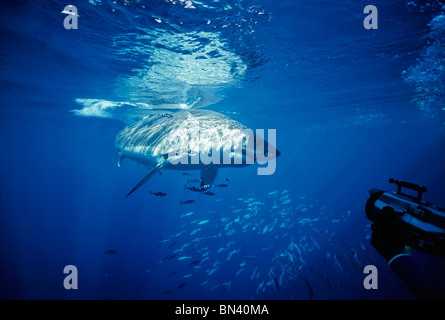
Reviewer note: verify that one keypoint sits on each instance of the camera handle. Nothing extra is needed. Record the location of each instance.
(420, 189)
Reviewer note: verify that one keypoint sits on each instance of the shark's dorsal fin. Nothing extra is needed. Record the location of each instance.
(208, 175)
(158, 167)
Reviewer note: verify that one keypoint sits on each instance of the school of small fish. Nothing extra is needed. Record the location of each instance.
(274, 244)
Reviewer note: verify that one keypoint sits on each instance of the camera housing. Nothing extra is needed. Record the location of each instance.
(420, 224)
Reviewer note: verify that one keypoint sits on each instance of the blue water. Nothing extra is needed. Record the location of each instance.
(351, 107)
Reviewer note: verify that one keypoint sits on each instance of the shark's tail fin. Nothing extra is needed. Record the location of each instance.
(127, 112)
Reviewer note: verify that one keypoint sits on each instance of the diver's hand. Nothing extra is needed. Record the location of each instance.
(386, 238)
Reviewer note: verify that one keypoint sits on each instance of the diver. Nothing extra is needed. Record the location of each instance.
(400, 222)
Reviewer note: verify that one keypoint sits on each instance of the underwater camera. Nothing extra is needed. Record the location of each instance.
(420, 224)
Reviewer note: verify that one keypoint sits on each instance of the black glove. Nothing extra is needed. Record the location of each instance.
(386, 238)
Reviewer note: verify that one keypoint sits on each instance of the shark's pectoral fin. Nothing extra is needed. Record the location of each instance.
(208, 175)
(148, 176)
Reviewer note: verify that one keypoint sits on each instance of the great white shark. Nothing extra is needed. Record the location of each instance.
(187, 139)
